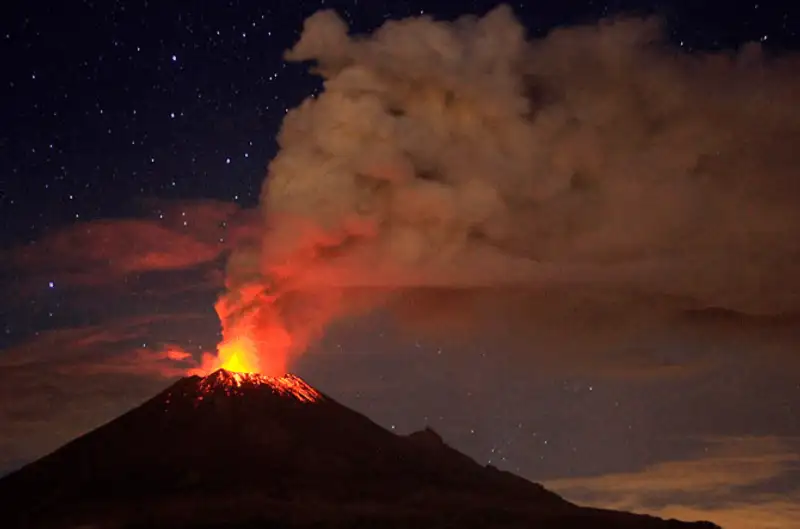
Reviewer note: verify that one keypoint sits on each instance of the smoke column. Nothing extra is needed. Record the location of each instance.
(460, 176)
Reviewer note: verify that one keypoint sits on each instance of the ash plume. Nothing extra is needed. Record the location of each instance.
(462, 176)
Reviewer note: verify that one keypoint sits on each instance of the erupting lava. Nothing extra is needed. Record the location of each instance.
(238, 355)
(253, 340)
(235, 384)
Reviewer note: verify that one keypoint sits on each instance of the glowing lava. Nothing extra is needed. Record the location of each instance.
(253, 352)
(237, 355)
(240, 355)
(254, 341)
(235, 384)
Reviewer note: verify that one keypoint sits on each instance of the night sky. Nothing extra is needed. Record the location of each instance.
(136, 137)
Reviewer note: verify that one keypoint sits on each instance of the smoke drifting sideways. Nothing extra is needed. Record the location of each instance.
(572, 190)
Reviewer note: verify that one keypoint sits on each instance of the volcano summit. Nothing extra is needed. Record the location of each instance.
(239, 450)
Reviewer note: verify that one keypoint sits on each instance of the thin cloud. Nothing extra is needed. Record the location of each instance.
(68, 346)
(732, 485)
(164, 363)
(178, 236)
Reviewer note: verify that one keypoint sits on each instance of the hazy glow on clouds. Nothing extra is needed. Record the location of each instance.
(720, 486)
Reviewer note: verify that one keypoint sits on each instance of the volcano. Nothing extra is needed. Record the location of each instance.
(234, 450)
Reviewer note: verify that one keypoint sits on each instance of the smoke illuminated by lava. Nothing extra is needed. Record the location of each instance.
(238, 355)
(256, 342)
(575, 188)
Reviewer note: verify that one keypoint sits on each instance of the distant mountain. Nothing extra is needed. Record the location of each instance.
(237, 451)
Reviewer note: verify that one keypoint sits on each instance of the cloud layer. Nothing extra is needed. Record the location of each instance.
(176, 236)
(736, 483)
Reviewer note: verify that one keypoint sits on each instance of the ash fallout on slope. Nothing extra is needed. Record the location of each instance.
(573, 188)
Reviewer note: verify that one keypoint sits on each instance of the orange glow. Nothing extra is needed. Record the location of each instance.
(238, 355)
(254, 341)
(177, 355)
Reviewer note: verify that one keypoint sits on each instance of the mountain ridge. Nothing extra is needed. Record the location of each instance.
(233, 448)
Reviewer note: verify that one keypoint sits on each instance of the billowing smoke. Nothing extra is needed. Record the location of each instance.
(462, 176)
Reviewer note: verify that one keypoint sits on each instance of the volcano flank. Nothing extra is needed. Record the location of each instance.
(239, 450)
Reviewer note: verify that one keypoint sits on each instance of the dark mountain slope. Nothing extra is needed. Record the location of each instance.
(234, 450)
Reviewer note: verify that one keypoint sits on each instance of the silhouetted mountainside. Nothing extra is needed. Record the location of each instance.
(239, 451)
